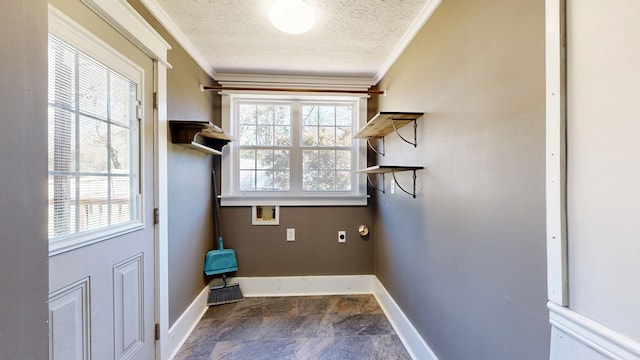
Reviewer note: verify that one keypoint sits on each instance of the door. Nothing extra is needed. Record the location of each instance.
(101, 186)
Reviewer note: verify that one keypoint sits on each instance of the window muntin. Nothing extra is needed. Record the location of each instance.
(93, 145)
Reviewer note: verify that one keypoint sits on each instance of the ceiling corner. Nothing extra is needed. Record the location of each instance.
(165, 20)
(417, 24)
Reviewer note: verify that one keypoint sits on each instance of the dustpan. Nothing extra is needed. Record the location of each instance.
(221, 260)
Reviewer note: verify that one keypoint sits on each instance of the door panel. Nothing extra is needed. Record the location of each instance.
(69, 315)
(102, 301)
(128, 305)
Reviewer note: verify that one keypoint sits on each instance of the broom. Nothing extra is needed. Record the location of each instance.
(221, 261)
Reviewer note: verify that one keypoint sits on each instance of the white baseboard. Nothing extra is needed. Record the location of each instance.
(307, 286)
(179, 332)
(415, 344)
(591, 334)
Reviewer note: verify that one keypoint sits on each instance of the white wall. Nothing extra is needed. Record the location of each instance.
(603, 174)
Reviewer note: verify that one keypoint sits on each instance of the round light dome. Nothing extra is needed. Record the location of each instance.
(292, 16)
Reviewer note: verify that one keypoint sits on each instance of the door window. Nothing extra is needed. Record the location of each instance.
(94, 156)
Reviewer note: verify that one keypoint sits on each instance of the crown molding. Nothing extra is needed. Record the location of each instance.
(161, 15)
(268, 81)
(417, 24)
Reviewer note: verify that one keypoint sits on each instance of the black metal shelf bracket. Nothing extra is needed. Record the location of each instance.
(415, 132)
(395, 180)
(373, 185)
(413, 194)
(377, 151)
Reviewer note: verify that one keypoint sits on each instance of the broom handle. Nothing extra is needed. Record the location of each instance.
(215, 209)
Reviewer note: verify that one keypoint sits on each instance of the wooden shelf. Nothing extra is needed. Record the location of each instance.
(380, 126)
(386, 169)
(199, 135)
(385, 123)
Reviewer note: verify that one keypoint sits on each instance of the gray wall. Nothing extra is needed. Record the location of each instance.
(23, 176)
(466, 259)
(262, 250)
(189, 178)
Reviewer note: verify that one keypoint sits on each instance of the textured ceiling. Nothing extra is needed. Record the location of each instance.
(353, 38)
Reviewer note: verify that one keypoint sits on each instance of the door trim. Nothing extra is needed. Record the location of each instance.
(556, 116)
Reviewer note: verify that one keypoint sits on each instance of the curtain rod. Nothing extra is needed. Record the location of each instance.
(336, 91)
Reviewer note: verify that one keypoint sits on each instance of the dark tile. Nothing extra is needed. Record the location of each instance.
(225, 329)
(295, 327)
(196, 351)
(335, 348)
(275, 349)
(310, 327)
(219, 311)
(356, 304)
(389, 347)
(204, 331)
(315, 305)
(362, 324)
(261, 307)
(237, 329)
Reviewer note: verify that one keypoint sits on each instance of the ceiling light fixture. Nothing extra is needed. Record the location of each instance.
(292, 16)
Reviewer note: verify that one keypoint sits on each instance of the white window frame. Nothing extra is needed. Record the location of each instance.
(230, 194)
(75, 35)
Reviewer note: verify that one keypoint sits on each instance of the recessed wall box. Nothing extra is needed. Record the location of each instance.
(265, 215)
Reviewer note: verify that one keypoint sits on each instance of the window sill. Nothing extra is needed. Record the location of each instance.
(72, 242)
(317, 200)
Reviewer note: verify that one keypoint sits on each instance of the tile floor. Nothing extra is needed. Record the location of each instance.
(339, 327)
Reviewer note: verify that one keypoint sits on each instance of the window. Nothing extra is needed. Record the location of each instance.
(293, 152)
(93, 146)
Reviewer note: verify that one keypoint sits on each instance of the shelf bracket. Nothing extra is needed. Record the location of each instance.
(385, 169)
(374, 185)
(401, 188)
(379, 152)
(415, 132)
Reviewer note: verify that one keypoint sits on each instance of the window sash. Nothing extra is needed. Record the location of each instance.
(94, 190)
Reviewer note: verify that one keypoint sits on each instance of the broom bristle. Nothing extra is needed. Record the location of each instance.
(225, 295)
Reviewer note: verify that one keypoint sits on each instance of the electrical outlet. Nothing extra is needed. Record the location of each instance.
(291, 234)
(342, 236)
(393, 187)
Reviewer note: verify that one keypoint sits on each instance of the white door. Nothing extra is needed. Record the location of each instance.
(101, 186)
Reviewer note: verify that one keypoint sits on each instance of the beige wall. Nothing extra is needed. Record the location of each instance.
(23, 176)
(465, 260)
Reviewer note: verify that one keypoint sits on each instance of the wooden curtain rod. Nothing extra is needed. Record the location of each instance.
(335, 91)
